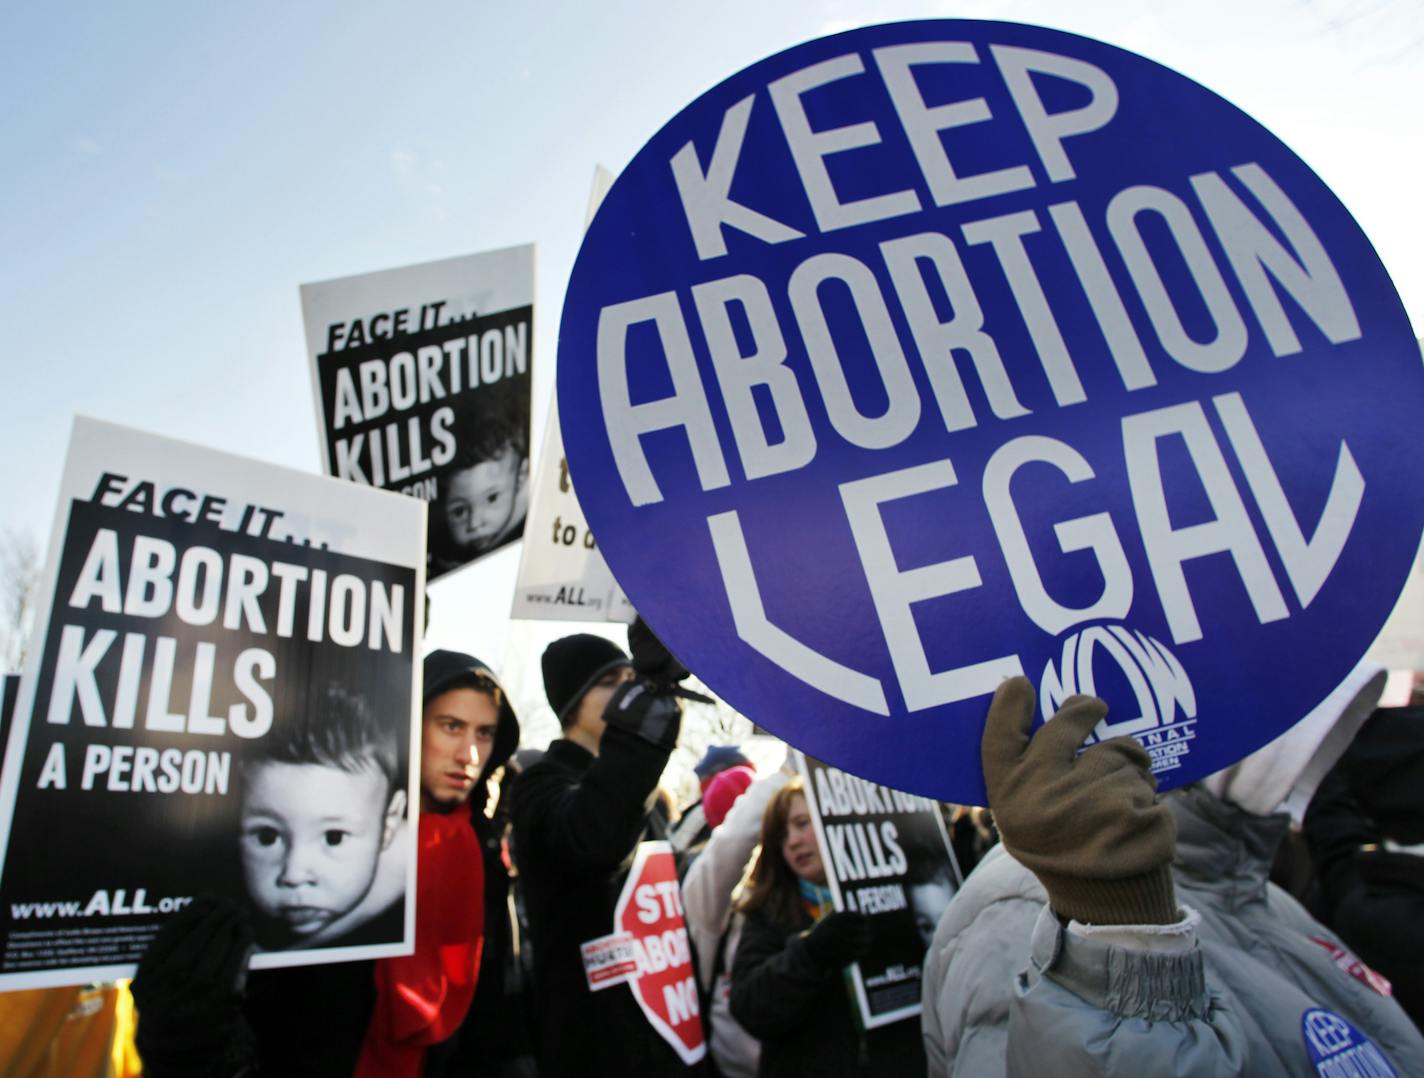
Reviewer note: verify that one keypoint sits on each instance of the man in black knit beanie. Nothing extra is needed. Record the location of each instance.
(579, 814)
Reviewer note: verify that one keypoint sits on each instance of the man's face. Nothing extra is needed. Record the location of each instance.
(588, 715)
(799, 848)
(481, 501)
(456, 739)
(310, 838)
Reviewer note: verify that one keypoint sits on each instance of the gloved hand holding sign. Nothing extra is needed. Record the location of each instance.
(839, 938)
(187, 993)
(648, 706)
(651, 658)
(1088, 825)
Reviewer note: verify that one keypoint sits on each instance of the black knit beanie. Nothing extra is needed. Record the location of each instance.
(573, 664)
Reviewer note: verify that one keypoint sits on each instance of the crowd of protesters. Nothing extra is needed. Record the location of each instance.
(1103, 929)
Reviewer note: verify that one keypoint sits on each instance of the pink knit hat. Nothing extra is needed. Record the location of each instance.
(723, 791)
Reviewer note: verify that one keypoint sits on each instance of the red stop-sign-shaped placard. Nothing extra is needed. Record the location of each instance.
(650, 911)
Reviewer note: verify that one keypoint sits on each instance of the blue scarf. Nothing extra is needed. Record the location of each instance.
(815, 899)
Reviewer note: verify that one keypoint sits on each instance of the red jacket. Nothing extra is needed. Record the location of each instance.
(422, 998)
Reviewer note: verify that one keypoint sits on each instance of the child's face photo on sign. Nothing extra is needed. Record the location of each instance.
(319, 808)
(306, 864)
(929, 898)
(483, 504)
(482, 499)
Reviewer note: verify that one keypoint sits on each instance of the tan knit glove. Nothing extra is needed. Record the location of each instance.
(1088, 826)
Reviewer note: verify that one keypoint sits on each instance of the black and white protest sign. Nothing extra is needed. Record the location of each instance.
(886, 855)
(422, 379)
(222, 698)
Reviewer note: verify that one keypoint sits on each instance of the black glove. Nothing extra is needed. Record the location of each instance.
(652, 662)
(647, 711)
(188, 990)
(651, 658)
(839, 938)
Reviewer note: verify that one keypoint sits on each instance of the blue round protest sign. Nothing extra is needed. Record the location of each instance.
(931, 353)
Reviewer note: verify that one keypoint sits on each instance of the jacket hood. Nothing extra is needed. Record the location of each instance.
(1285, 773)
(445, 670)
(1224, 848)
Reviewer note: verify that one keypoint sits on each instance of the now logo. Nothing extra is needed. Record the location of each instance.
(1152, 672)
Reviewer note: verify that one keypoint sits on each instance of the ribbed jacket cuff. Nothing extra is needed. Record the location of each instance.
(1146, 899)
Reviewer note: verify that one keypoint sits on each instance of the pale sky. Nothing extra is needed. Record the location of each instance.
(172, 172)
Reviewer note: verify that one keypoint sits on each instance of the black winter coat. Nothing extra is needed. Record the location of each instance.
(803, 1013)
(578, 820)
(1374, 898)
